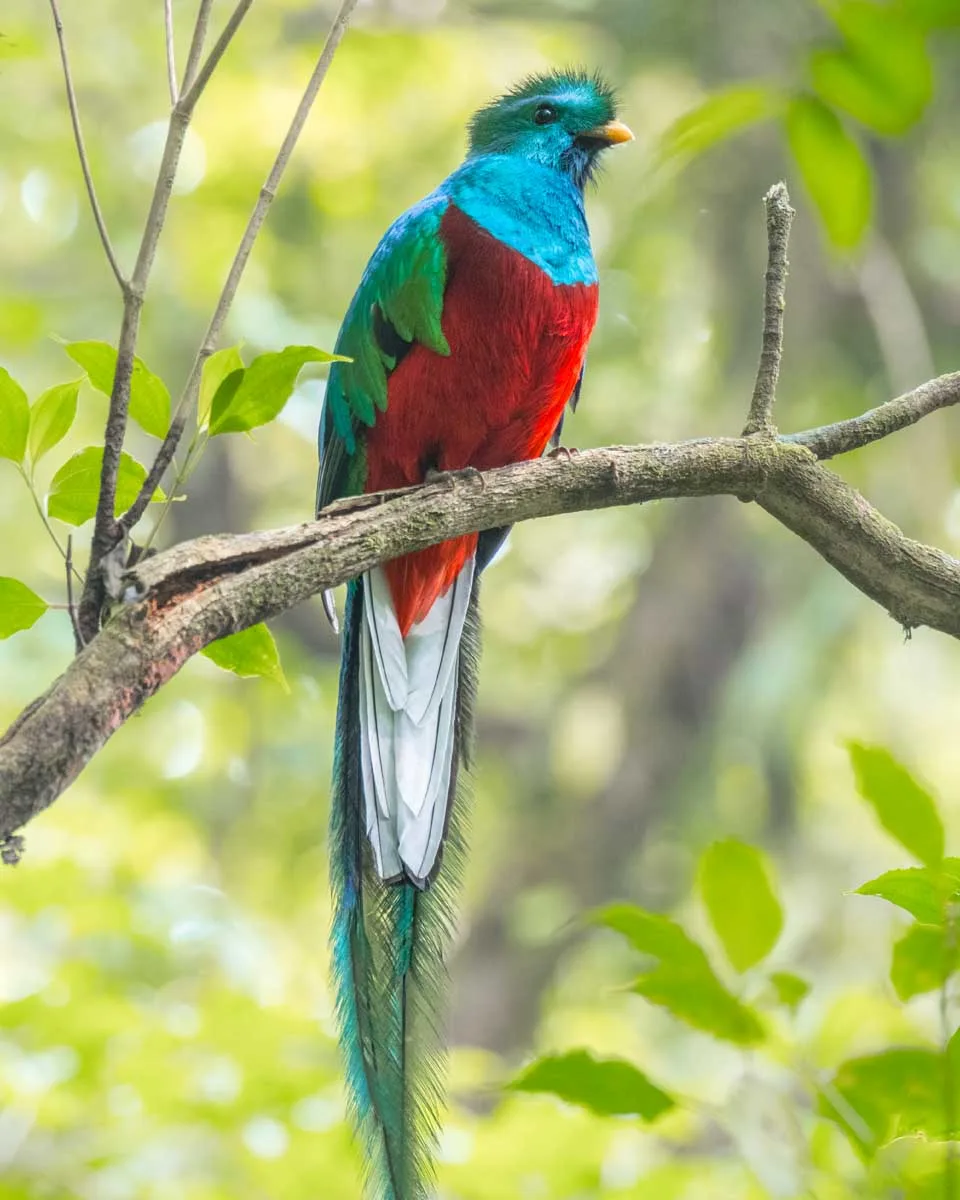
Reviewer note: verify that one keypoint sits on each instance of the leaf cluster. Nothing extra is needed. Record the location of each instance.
(234, 398)
(901, 1095)
(873, 77)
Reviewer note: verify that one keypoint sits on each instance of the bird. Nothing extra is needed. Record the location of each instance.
(462, 348)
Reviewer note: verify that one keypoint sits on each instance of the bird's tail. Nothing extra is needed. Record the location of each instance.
(390, 934)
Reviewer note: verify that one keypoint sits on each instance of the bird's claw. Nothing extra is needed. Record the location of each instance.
(564, 452)
(449, 478)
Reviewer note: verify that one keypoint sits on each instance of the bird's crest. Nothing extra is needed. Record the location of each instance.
(582, 99)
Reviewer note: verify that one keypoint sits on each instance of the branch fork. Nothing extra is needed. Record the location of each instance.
(109, 530)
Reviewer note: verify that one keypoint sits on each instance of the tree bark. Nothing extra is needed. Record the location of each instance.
(172, 605)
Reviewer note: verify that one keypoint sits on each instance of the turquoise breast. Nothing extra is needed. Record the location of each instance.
(533, 209)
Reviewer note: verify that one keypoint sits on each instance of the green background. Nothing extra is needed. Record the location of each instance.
(654, 679)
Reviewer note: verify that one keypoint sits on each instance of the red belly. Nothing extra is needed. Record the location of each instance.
(517, 343)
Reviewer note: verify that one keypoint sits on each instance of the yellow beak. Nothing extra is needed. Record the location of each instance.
(613, 133)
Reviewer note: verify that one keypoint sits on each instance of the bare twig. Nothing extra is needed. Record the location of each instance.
(27, 478)
(193, 89)
(171, 57)
(196, 44)
(779, 219)
(106, 529)
(82, 152)
(844, 436)
(71, 607)
(234, 275)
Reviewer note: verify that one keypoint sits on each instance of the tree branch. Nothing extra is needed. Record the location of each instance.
(191, 389)
(780, 216)
(171, 58)
(844, 436)
(193, 85)
(179, 601)
(82, 152)
(71, 607)
(200, 27)
(107, 531)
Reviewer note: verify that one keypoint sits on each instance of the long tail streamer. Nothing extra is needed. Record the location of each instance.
(389, 941)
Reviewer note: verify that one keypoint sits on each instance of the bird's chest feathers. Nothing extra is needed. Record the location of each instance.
(533, 210)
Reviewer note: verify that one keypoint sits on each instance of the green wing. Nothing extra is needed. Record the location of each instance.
(399, 302)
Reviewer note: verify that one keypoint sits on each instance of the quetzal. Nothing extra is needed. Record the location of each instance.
(466, 340)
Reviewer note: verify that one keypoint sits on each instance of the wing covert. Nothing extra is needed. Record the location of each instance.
(399, 302)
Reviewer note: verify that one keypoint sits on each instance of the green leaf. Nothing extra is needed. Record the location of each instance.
(934, 14)
(790, 988)
(740, 901)
(225, 393)
(833, 168)
(882, 76)
(683, 982)
(20, 607)
(923, 892)
(923, 958)
(700, 999)
(51, 417)
(650, 933)
(250, 652)
(265, 388)
(149, 398)
(893, 1093)
(76, 486)
(14, 418)
(719, 117)
(218, 366)
(906, 810)
(844, 82)
(608, 1087)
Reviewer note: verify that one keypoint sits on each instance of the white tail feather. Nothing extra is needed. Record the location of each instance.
(374, 771)
(388, 650)
(407, 714)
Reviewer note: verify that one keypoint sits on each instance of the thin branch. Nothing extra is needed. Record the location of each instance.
(844, 436)
(267, 193)
(193, 89)
(779, 219)
(106, 529)
(196, 44)
(27, 478)
(78, 639)
(171, 54)
(82, 152)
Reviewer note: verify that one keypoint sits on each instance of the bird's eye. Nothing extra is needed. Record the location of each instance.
(546, 114)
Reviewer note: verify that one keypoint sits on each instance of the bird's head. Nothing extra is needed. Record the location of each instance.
(562, 120)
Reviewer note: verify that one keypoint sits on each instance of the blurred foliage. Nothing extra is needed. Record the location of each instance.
(166, 1029)
(875, 1100)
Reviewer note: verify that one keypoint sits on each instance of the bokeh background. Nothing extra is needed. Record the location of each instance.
(653, 679)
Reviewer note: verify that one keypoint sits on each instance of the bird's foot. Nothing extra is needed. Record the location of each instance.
(449, 478)
(564, 452)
